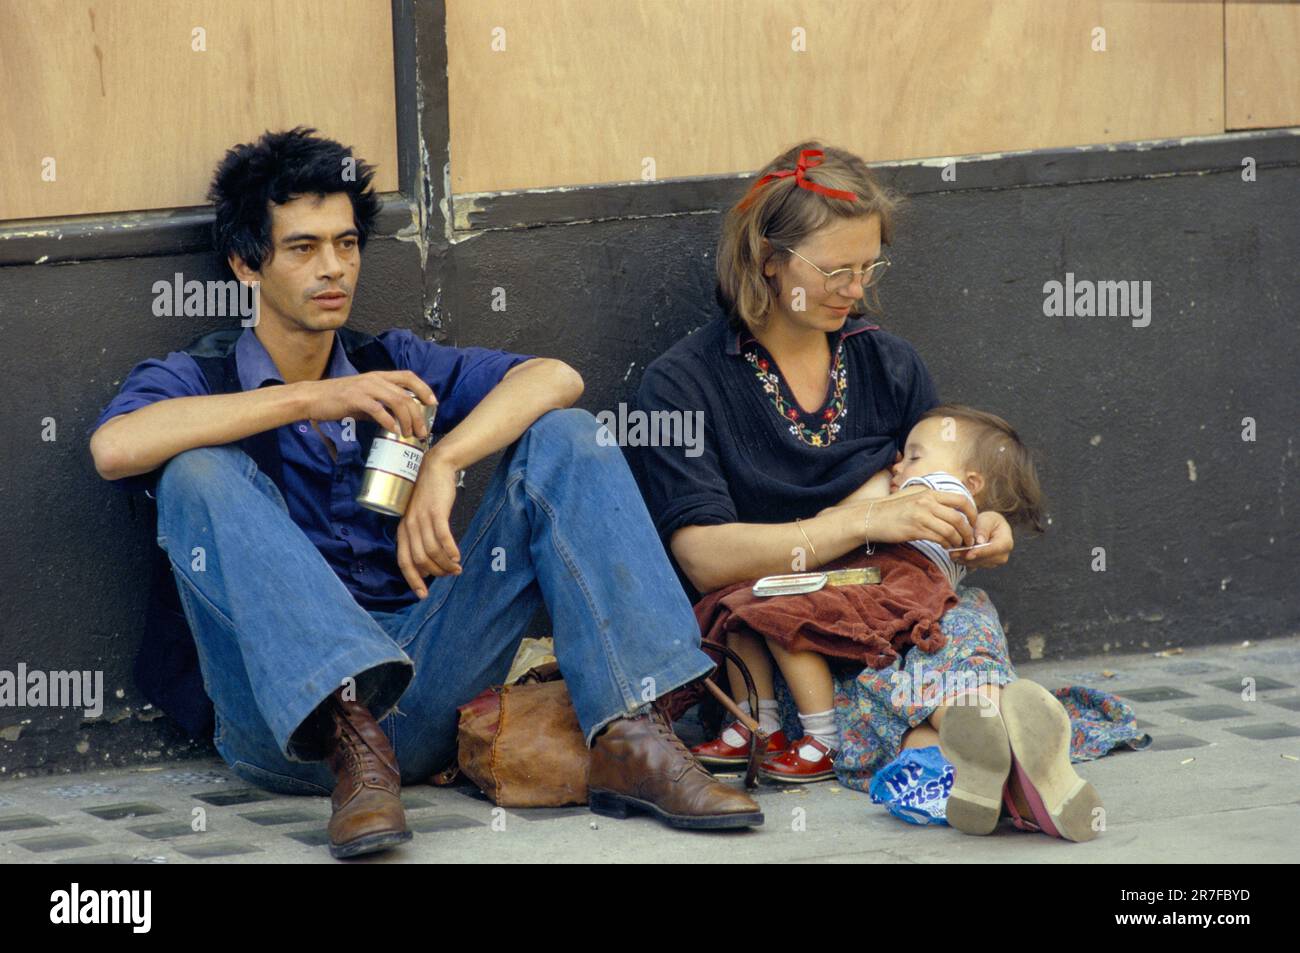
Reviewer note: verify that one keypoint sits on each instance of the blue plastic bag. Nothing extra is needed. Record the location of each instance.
(914, 786)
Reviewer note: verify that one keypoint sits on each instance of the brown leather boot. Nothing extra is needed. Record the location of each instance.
(640, 764)
(368, 815)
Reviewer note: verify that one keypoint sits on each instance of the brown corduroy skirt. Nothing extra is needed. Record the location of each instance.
(871, 624)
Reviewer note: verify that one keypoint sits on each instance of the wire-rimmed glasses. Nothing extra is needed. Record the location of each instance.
(841, 278)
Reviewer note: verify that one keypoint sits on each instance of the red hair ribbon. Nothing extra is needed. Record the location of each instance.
(808, 159)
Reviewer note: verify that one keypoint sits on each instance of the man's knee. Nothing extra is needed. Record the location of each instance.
(202, 467)
(200, 480)
(570, 421)
(574, 428)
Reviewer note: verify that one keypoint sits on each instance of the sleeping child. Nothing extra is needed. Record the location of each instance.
(952, 448)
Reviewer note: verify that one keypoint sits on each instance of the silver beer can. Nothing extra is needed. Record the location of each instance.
(393, 466)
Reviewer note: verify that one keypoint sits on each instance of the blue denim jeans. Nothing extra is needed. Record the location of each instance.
(561, 524)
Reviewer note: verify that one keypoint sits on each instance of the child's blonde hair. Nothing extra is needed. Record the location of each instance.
(785, 214)
(997, 453)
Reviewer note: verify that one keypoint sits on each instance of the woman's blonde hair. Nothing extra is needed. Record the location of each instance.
(785, 213)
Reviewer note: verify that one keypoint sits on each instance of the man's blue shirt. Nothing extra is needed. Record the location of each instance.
(321, 491)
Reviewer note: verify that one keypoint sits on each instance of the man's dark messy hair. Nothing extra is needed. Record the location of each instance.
(277, 168)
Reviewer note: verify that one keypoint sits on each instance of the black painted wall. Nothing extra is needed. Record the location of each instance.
(1138, 430)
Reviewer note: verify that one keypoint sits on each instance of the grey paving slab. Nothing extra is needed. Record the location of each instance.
(71, 792)
(1209, 712)
(1220, 782)
(1261, 683)
(41, 845)
(446, 822)
(96, 859)
(117, 812)
(1191, 667)
(1160, 693)
(207, 778)
(1267, 732)
(287, 815)
(1175, 742)
(316, 837)
(218, 849)
(228, 798)
(547, 814)
(164, 831)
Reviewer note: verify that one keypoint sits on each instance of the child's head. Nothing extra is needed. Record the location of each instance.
(984, 452)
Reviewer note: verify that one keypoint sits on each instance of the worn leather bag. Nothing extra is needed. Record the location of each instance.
(522, 744)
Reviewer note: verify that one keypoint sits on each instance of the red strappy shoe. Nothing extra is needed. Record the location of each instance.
(791, 766)
(718, 752)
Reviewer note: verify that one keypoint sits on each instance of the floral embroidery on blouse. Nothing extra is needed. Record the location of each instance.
(801, 422)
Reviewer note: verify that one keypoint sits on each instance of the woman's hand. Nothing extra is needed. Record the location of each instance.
(425, 545)
(944, 518)
(994, 529)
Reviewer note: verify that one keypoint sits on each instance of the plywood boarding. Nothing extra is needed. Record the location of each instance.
(136, 119)
(1262, 69)
(586, 89)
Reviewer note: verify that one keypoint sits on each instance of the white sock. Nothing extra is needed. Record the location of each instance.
(767, 721)
(821, 725)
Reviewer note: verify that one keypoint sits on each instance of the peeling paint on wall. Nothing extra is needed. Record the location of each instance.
(414, 233)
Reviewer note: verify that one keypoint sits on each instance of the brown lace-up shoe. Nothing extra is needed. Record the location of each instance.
(368, 815)
(640, 764)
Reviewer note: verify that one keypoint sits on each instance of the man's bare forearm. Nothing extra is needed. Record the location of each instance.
(526, 392)
(144, 439)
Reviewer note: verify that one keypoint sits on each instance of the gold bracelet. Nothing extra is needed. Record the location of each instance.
(807, 540)
(870, 550)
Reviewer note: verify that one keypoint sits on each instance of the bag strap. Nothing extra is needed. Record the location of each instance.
(757, 737)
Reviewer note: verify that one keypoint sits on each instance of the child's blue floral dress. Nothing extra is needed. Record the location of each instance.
(875, 707)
